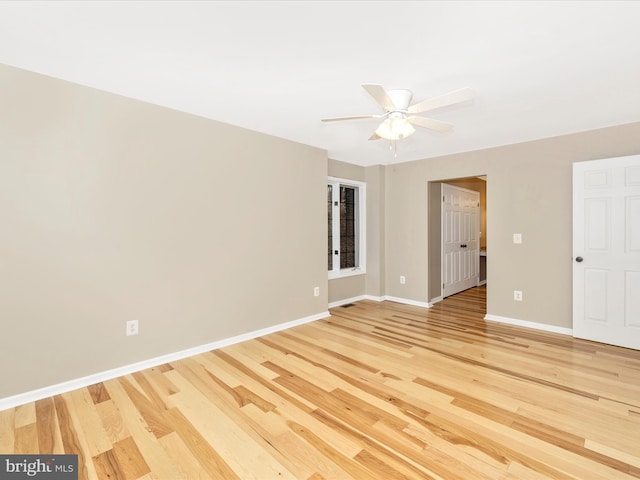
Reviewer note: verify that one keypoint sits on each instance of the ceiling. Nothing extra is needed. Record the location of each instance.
(538, 69)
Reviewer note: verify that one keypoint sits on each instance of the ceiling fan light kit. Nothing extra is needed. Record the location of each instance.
(400, 116)
(395, 127)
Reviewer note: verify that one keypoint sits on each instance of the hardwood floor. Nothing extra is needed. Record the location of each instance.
(376, 391)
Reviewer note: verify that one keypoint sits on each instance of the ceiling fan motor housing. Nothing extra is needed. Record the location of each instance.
(401, 99)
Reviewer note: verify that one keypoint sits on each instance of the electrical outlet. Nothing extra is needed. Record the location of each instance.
(517, 238)
(132, 327)
(517, 295)
(402, 280)
(316, 291)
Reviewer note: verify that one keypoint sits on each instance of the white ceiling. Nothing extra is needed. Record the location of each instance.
(539, 69)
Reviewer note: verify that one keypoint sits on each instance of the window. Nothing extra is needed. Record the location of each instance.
(346, 221)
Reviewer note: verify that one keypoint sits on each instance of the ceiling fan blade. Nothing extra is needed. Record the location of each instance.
(380, 95)
(356, 117)
(457, 96)
(431, 124)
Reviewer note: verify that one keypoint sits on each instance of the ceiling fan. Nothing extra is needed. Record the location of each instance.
(400, 116)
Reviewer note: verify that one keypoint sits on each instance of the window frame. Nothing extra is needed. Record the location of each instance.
(361, 201)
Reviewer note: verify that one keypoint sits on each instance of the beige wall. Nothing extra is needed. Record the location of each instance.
(348, 171)
(528, 192)
(375, 279)
(114, 209)
(434, 232)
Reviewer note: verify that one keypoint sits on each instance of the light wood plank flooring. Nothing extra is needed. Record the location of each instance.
(376, 391)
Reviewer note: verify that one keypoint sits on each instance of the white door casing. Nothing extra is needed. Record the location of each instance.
(606, 251)
(460, 239)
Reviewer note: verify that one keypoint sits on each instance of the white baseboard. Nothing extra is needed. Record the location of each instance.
(57, 389)
(482, 282)
(525, 323)
(435, 300)
(405, 301)
(374, 298)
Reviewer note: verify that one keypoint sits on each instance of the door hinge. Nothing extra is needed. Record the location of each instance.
(442, 198)
(335, 204)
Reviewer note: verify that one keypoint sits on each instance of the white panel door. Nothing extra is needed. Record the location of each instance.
(460, 239)
(606, 251)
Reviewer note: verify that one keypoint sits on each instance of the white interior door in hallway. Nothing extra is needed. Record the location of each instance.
(460, 239)
(606, 251)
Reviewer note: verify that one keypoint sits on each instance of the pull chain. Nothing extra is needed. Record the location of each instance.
(393, 145)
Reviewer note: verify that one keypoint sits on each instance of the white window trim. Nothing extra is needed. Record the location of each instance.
(361, 269)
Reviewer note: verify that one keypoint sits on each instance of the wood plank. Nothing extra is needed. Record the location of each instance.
(98, 393)
(93, 433)
(46, 425)
(183, 458)
(107, 466)
(70, 441)
(112, 422)
(26, 439)
(7, 430)
(131, 463)
(25, 415)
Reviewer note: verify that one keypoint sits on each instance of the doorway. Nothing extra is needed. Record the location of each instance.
(435, 231)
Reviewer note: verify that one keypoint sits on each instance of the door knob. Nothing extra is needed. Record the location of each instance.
(579, 259)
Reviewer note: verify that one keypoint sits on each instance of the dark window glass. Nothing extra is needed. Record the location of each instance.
(348, 234)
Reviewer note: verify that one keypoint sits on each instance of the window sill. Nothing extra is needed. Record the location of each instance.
(347, 272)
